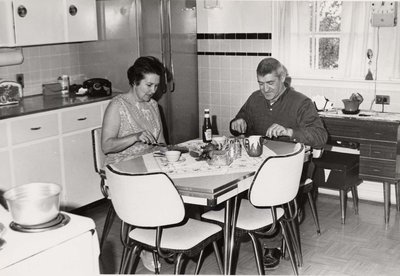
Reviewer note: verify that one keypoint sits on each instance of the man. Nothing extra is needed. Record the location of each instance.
(278, 111)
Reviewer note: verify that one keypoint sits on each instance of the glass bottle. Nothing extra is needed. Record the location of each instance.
(207, 128)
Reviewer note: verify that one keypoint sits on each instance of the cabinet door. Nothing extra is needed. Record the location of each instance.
(39, 162)
(81, 20)
(3, 135)
(39, 21)
(5, 171)
(82, 183)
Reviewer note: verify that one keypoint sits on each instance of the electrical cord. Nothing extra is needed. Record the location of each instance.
(376, 68)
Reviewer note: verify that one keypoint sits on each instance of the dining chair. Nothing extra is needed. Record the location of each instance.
(153, 216)
(307, 187)
(99, 157)
(274, 186)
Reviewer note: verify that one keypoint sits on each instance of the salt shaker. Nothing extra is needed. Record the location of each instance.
(237, 148)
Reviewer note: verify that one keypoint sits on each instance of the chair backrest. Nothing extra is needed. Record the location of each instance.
(145, 200)
(98, 154)
(277, 180)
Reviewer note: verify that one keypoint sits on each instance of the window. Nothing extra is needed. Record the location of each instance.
(325, 28)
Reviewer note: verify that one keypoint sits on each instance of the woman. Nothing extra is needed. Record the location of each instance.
(132, 121)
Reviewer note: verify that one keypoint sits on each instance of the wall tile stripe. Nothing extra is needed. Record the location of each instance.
(234, 36)
(233, 54)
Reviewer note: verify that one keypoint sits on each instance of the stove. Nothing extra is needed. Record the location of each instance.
(59, 221)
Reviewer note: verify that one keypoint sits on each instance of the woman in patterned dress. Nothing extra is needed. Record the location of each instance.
(132, 121)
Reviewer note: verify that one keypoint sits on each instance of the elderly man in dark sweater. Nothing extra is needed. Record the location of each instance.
(278, 111)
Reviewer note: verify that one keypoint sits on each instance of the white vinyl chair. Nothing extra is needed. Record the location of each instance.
(275, 184)
(153, 216)
(99, 158)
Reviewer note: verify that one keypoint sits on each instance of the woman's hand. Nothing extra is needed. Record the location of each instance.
(146, 137)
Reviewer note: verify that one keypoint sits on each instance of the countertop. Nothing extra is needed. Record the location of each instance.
(363, 115)
(41, 103)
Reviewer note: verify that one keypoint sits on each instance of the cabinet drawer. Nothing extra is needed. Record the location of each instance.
(3, 135)
(384, 131)
(34, 128)
(379, 150)
(377, 167)
(77, 119)
(341, 127)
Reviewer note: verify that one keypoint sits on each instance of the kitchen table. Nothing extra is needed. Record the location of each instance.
(207, 185)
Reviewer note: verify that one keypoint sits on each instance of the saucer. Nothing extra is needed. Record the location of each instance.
(181, 159)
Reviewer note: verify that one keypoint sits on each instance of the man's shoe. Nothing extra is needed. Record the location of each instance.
(271, 258)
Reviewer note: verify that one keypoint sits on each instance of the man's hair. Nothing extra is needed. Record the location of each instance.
(143, 66)
(270, 65)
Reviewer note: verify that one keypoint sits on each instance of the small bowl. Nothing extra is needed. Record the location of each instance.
(33, 203)
(172, 155)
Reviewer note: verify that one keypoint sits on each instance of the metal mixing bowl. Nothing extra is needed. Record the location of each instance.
(33, 203)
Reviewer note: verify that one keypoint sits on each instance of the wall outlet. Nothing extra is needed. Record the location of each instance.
(20, 79)
(382, 99)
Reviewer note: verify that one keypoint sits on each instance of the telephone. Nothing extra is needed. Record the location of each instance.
(97, 87)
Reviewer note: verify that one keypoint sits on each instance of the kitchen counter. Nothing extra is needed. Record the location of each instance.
(40, 103)
(363, 115)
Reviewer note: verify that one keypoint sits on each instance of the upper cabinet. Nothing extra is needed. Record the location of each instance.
(36, 22)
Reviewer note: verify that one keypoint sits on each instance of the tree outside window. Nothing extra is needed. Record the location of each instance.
(325, 28)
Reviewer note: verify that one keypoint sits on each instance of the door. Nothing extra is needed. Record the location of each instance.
(168, 31)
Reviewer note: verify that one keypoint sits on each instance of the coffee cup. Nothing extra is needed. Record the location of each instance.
(253, 145)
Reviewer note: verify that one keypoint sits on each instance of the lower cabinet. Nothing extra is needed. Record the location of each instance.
(53, 146)
(38, 162)
(81, 180)
(5, 171)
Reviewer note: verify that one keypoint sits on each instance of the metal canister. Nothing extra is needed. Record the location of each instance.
(64, 81)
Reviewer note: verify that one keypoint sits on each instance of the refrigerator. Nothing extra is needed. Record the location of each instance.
(165, 29)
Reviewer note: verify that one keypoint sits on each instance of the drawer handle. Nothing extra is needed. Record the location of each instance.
(377, 152)
(82, 119)
(376, 170)
(35, 128)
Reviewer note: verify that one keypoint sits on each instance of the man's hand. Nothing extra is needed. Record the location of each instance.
(239, 125)
(277, 130)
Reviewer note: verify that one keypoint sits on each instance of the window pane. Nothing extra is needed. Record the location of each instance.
(328, 52)
(330, 16)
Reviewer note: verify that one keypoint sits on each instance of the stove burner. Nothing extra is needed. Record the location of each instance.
(59, 221)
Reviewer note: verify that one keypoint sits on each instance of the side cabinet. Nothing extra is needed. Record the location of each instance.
(53, 146)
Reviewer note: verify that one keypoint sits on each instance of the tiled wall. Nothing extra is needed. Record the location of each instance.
(227, 72)
(44, 64)
(98, 59)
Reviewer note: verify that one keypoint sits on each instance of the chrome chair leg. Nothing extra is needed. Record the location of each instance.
(196, 271)
(294, 232)
(258, 254)
(178, 264)
(289, 246)
(354, 194)
(135, 255)
(218, 257)
(107, 225)
(313, 208)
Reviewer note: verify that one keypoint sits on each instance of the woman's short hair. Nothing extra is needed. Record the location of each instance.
(142, 66)
(270, 65)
